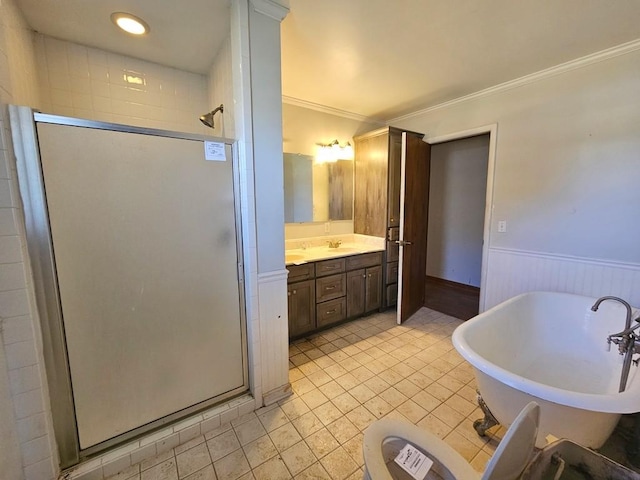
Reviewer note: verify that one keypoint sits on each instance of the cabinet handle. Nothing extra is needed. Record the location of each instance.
(330, 287)
(330, 312)
(331, 267)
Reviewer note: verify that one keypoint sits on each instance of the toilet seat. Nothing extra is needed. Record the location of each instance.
(509, 460)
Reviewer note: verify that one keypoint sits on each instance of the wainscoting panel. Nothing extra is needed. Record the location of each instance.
(274, 334)
(512, 272)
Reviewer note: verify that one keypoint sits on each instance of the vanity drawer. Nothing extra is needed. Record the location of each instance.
(392, 272)
(331, 312)
(328, 288)
(392, 294)
(300, 272)
(364, 260)
(393, 251)
(329, 267)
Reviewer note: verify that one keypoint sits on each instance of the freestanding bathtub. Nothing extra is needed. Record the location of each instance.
(551, 348)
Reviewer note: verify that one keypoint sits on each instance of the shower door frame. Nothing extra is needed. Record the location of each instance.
(42, 259)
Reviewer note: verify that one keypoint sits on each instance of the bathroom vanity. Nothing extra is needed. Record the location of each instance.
(325, 292)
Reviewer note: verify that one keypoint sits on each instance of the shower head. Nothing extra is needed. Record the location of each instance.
(207, 118)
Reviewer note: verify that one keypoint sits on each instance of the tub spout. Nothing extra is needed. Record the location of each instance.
(627, 322)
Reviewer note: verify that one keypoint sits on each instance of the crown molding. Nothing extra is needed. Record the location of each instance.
(330, 110)
(276, 9)
(531, 78)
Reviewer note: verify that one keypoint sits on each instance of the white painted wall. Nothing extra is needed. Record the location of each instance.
(567, 164)
(457, 195)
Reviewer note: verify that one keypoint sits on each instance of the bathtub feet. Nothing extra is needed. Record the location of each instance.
(483, 424)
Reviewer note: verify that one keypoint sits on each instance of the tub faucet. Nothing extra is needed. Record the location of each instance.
(626, 340)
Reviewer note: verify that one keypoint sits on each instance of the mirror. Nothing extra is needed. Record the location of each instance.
(317, 192)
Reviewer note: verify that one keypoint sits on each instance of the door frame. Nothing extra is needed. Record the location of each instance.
(492, 130)
(39, 245)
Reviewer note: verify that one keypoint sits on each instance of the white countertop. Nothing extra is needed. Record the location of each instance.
(299, 256)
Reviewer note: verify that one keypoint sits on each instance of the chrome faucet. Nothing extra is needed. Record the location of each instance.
(626, 340)
(334, 243)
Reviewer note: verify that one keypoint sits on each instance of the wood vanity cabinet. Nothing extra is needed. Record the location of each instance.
(376, 209)
(327, 292)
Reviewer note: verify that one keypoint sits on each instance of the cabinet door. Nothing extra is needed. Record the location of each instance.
(395, 152)
(302, 307)
(356, 293)
(373, 288)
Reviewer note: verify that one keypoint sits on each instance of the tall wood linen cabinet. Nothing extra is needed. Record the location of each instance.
(377, 196)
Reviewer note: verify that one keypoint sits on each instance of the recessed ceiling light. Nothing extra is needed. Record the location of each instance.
(130, 23)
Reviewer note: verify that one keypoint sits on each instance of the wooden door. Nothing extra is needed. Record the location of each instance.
(414, 209)
(355, 293)
(302, 307)
(373, 288)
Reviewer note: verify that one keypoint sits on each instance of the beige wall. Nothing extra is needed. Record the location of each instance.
(302, 129)
(566, 171)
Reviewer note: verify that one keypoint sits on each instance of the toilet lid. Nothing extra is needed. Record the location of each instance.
(516, 448)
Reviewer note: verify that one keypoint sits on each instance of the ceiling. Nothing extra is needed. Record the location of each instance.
(377, 58)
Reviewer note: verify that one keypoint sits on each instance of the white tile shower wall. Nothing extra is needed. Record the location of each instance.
(27, 446)
(221, 91)
(512, 272)
(86, 82)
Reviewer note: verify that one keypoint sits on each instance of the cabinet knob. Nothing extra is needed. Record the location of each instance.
(295, 291)
(369, 275)
(288, 294)
(364, 275)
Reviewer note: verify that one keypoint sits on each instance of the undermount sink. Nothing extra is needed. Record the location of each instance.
(293, 257)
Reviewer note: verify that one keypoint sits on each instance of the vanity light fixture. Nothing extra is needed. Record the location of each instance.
(332, 152)
(130, 23)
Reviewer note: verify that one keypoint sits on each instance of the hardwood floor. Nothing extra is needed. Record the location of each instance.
(451, 298)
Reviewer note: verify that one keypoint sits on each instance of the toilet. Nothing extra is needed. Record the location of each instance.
(385, 438)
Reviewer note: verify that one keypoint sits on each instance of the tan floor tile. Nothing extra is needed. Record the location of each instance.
(129, 473)
(223, 445)
(332, 389)
(166, 470)
(469, 394)
(403, 369)
(354, 448)
(324, 362)
(448, 415)
(314, 353)
(463, 446)
(426, 400)
(310, 368)
(207, 473)
(319, 378)
(467, 431)
(259, 451)
(438, 391)
(362, 393)
(361, 417)
(362, 373)
(273, 419)
(335, 371)
(314, 472)
(322, 443)
(299, 359)
(272, 469)
(339, 356)
(347, 381)
(243, 419)
(376, 367)
(407, 387)
(393, 397)
(345, 402)
(285, 437)
(307, 424)
(339, 464)
(192, 460)
(314, 398)
(377, 385)
(298, 457)
(391, 377)
(294, 407)
(327, 413)
(302, 386)
(232, 466)
(342, 429)
(363, 358)
(460, 405)
(412, 411)
(479, 462)
(420, 379)
(328, 348)
(188, 445)
(435, 426)
(304, 345)
(451, 383)
(249, 431)
(378, 407)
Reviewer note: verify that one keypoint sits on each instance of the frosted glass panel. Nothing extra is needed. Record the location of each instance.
(144, 236)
